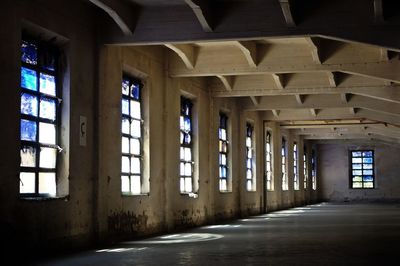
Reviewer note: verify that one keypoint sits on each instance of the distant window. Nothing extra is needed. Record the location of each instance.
(223, 152)
(295, 173)
(186, 148)
(305, 168)
(40, 119)
(132, 137)
(268, 161)
(285, 183)
(249, 157)
(362, 169)
(313, 170)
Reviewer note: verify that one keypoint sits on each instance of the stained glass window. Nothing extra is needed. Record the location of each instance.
(305, 168)
(285, 183)
(186, 146)
(313, 170)
(223, 152)
(249, 157)
(40, 108)
(362, 169)
(268, 161)
(295, 173)
(132, 137)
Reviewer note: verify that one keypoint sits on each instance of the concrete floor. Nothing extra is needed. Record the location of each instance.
(322, 234)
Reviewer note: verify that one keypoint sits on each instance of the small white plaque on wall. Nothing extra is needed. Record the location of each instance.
(82, 130)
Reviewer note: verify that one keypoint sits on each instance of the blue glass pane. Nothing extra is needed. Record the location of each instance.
(28, 130)
(187, 124)
(367, 153)
(135, 91)
(47, 59)
(29, 104)
(188, 139)
(222, 121)
(368, 178)
(357, 172)
(125, 106)
(356, 166)
(249, 163)
(48, 108)
(367, 166)
(125, 87)
(367, 160)
(28, 79)
(125, 125)
(47, 84)
(250, 131)
(223, 172)
(187, 109)
(28, 53)
(368, 172)
(356, 154)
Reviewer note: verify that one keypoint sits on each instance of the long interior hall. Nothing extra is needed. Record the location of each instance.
(200, 132)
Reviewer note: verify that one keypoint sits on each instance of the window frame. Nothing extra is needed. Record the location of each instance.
(39, 68)
(221, 142)
(313, 169)
(190, 116)
(133, 80)
(305, 167)
(269, 179)
(351, 176)
(285, 181)
(250, 134)
(296, 181)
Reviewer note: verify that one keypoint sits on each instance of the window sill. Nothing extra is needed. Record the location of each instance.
(190, 194)
(135, 195)
(41, 199)
(225, 191)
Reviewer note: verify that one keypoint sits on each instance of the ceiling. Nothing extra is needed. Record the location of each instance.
(322, 69)
(319, 88)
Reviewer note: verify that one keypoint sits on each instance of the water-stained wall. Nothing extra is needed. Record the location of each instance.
(334, 164)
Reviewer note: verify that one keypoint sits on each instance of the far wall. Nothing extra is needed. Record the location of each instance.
(333, 171)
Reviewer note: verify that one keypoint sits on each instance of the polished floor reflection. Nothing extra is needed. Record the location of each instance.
(321, 234)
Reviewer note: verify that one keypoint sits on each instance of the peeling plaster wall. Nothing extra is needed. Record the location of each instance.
(94, 209)
(277, 199)
(56, 222)
(335, 177)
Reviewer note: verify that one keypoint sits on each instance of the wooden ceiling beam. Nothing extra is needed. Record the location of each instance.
(332, 79)
(389, 94)
(344, 97)
(227, 81)
(384, 71)
(332, 114)
(314, 112)
(202, 12)
(120, 12)
(279, 81)
(348, 130)
(255, 100)
(300, 98)
(275, 112)
(186, 52)
(378, 12)
(287, 13)
(249, 50)
(313, 44)
(316, 102)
